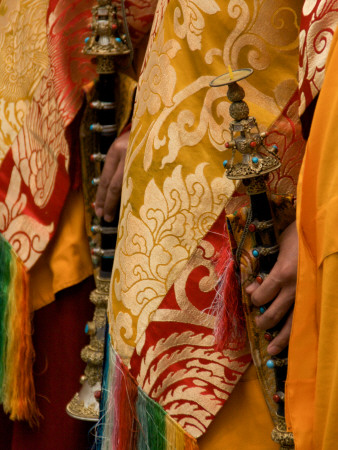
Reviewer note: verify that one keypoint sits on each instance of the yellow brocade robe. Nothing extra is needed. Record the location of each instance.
(174, 186)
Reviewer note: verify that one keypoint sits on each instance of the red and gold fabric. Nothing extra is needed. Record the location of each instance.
(35, 170)
(318, 24)
(35, 158)
(41, 93)
(41, 84)
(174, 192)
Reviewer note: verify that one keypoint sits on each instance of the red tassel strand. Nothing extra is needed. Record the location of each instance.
(230, 331)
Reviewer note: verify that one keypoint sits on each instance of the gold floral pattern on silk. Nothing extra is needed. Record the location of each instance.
(23, 61)
(173, 185)
(156, 246)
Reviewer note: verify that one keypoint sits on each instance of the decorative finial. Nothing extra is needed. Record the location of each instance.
(246, 137)
(108, 38)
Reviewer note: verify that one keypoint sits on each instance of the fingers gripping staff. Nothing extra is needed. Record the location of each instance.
(258, 160)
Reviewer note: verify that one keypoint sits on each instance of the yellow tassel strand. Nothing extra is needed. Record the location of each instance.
(175, 435)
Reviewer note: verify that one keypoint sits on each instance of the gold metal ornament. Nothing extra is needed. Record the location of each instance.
(85, 403)
(107, 40)
(107, 43)
(282, 436)
(246, 138)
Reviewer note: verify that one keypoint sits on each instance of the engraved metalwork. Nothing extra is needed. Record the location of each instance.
(84, 406)
(262, 275)
(97, 251)
(239, 110)
(247, 169)
(255, 185)
(103, 128)
(265, 251)
(107, 44)
(280, 362)
(257, 158)
(98, 157)
(282, 436)
(263, 225)
(78, 409)
(244, 234)
(97, 104)
(281, 396)
(107, 39)
(103, 230)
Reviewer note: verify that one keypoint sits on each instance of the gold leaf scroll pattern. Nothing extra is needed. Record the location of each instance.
(265, 37)
(191, 126)
(161, 6)
(156, 95)
(187, 402)
(155, 91)
(321, 18)
(40, 143)
(154, 247)
(189, 22)
(185, 131)
(158, 80)
(23, 60)
(27, 236)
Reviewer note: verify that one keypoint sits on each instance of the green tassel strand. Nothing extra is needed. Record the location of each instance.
(151, 416)
(5, 263)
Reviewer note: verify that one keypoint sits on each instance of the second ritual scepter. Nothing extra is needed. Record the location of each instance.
(107, 44)
(258, 160)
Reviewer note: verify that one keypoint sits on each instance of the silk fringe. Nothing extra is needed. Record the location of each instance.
(130, 419)
(17, 391)
(230, 327)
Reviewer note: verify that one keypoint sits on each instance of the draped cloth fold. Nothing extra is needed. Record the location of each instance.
(313, 356)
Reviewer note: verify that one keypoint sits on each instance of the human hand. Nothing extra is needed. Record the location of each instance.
(109, 189)
(279, 286)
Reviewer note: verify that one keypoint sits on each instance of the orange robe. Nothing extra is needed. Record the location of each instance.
(244, 421)
(312, 387)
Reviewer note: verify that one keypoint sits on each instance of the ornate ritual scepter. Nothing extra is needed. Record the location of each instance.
(107, 43)
(258, 161)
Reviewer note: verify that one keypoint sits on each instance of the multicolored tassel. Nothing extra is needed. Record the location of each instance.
(131, 419)
(17, 392)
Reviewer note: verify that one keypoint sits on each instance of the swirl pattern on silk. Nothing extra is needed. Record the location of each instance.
(319, 21)
(174, 191)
